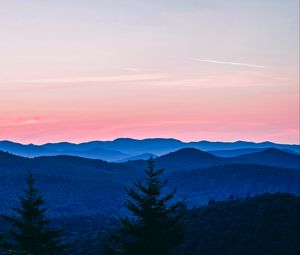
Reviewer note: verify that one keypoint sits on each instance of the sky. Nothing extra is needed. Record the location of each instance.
(79, 70)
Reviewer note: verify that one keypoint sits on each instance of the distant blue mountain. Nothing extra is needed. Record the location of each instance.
(209, 146)
(24, 150)
(236, 152)
(160, 146)
(144, 156)
(271, 157)
(126, 145)
(157, 146)
(122, 148)
(191, 158)
(188, 158)
(70, 149)
(96, 153)
(239, 152)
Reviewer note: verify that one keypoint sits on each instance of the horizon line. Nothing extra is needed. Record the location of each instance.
(149, 138)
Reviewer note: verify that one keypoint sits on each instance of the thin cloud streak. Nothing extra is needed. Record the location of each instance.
(131, 69)
(22, 123)
(228, 63)
(117, 78)
(29, 122)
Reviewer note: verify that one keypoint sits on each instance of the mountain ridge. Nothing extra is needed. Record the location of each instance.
(187, 158)
(122, 148)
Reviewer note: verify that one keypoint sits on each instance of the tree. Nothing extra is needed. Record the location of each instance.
(155, 226)
(30, 233)
(1, 242)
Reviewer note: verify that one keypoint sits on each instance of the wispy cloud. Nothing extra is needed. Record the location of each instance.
(84, 79)
(19, 123)
(228, 63)
(131, 69)
(28, 122)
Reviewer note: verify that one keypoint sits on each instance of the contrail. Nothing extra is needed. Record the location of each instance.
(228, 63)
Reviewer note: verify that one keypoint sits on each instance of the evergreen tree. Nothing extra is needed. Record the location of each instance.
(155, 227)
(1, 242)
(30, 233)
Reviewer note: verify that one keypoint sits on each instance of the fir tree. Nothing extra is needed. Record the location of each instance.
(30, 233)
(155, 226)
(1, 242)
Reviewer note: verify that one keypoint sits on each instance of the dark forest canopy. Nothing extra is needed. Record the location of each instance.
(268, 224)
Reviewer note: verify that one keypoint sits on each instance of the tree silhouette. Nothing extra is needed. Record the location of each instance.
(1, 243)
(30, 233)
(155, 226)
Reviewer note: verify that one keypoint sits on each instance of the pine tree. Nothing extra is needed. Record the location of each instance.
(155, 227)
(1, 242)
(30, 233)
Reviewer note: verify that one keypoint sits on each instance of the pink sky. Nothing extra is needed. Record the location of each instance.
(193, 72)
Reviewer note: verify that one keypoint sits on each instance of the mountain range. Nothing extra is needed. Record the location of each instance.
(77, 186)
(123, 149)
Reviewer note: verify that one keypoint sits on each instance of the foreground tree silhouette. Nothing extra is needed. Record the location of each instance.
(156, 227)
(30, 233)
(1, 243)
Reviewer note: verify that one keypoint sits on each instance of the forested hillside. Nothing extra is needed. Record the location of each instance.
(262, 225)
(75, 186)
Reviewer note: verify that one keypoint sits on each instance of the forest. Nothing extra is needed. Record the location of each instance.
(156, 221)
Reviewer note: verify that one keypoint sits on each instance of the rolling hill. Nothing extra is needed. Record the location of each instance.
(271, 157)
(75, 185)
(191, 158)
(188, 158)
